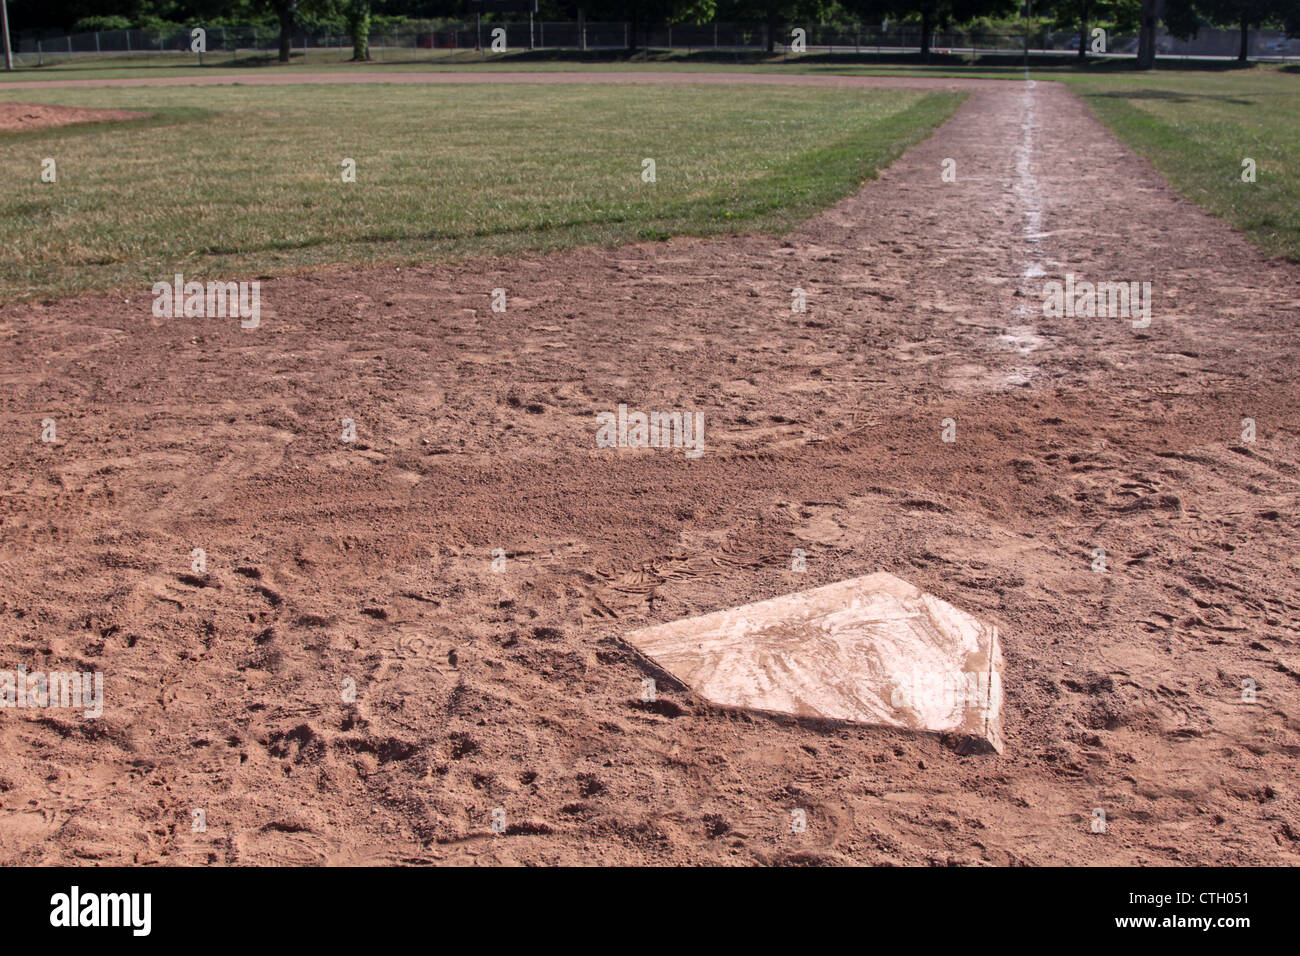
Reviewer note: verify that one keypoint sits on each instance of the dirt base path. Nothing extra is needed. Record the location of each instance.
(370, 564)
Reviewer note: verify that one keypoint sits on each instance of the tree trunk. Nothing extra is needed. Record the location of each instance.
(925, 32)
(1245, 39)
(1083, 30)
(771, 31)
(286, 34)
(359, 27)
(1146, 58)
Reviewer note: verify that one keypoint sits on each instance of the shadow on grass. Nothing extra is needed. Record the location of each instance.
(256, 59)
(1009, 60)
(1173, 97)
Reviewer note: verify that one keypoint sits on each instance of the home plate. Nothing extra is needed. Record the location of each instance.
(870, 650)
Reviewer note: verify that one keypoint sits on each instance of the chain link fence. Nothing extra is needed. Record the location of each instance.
(231, 43)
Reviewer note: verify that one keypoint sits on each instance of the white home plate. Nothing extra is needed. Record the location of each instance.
(870, 650)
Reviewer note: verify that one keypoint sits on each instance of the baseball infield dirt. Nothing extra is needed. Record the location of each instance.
(23, 116)
(1161, 688)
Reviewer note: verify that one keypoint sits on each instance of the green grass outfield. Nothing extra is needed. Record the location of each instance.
(460, 171)
(145, 65)
(392, 60)
(233, 180)
(1197, 127)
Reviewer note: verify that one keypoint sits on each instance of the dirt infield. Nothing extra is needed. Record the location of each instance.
(23, 116)
(370, 564)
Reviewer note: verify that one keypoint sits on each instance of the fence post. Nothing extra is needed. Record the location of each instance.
(530, 29)
(128, 41)
(96, 41)
(715, 34)
(40, 54)
(4, 37)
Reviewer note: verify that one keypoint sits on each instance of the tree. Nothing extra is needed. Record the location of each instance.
(643, 13)
(1148, 14)
(1085, 7)
(286, 12)
(1081, 14)
(1183, 17)
(774, 14)
(933, 14)
(1245, 14)
(778, 13)
(357, 14)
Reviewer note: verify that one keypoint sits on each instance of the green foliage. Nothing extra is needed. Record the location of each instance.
(95, 24)
(1127, 14)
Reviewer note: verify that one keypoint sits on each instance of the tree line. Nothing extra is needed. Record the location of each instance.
(1182, 18)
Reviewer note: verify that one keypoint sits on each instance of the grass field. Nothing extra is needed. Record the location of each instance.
(868, 63)
(233, 180)
(139, 65)
(438, 176)
(1197, 127)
